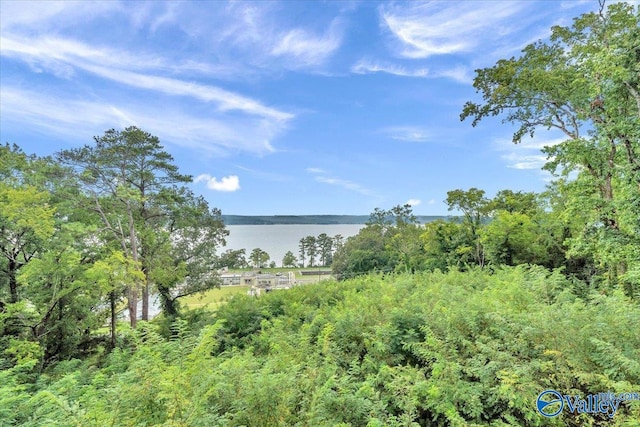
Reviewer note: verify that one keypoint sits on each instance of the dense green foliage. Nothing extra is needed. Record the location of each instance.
(94, 227)
(460, 321)
(583, 83)
(512, 228)
(317, 251)
(460, 349)
(259, 258)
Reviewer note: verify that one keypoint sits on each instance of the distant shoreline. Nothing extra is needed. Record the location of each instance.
(309, 219)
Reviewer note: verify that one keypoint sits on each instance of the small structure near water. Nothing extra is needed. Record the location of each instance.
(260, 282)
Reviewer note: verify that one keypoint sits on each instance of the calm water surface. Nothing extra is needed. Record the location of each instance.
(276, 240)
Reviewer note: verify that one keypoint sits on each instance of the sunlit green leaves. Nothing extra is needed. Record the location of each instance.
(461, 348)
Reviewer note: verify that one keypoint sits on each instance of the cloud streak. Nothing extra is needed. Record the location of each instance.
(440, 28)
(236, 122)
(73, 118)
(258, 35)
(323, 177)
(368, 67)
(306, 49)
(407, 133)
(525, 155)
(57, 54)
(346, 184)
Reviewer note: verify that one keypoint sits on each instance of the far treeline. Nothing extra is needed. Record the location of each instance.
(308, 219)
(457, 322)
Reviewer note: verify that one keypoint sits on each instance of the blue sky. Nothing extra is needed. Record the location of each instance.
(281, 107)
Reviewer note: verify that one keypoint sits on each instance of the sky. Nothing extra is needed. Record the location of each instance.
(281, 108)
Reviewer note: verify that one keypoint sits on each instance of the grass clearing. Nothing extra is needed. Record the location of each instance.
(213, 298)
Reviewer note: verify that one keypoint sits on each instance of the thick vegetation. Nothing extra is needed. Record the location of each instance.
(582, 84)
(462, 349)
(458, 322)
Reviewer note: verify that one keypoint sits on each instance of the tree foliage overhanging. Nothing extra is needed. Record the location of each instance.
(458, 322)
(584, 84)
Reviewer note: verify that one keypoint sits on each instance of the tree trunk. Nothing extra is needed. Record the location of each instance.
(133, 290)
(145, 299)
(169, 304)
(132, 304)
(112, 301)
(13, 282)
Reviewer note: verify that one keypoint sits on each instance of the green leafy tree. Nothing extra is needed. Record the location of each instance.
(182, 262)
(325, 248)
(360, 254)
(515, 201)
(338, 241)
(311, 245)
(26, 216)
(374, 248)
(289, 260)
(259, 258)
(444, 245)
(302, 251)
(55, 296)
(137, 192)
(475, 210)
(403, 241)
(232, 259)
(510, 239)
(583, 82)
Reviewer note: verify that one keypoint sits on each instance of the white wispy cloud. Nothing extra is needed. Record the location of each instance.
(324, 177)
(237, 40)
(460, 74)
(258, 35)
(525, 161)
(67, 55)
(46, 50)
(413, 202)
(44, 15)
(316, 170)
(232, 122)
(229, 183)
(538, 142)
(304, 48)
(573, 3)
(407, 133)
(346, 184)
(436, 28)
(527, 154)
(226, 121)
(264, 175)
(82, 119)
(367, 67)
(47, 112)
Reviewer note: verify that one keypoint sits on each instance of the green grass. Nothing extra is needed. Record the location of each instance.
(214, 298)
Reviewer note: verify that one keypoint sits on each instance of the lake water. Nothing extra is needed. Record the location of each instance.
(276, 240)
